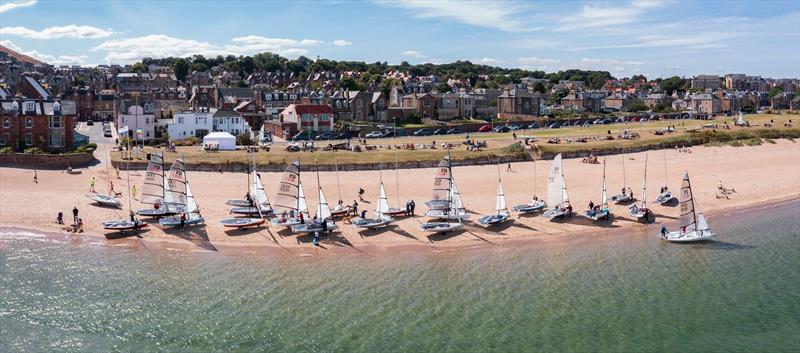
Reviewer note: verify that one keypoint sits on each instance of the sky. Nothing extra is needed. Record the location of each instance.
(625, 37)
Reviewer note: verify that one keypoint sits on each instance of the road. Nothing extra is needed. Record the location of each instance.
(104, 144)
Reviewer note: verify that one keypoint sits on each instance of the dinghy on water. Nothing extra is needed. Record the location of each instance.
(381, 219)
(557, 192)
(535, 205)
(693, 225)
(291, 200)
(182, 195)
(600, 212)
(626, 194)
(500, 213)
(642, 212)
(446, 203)
(323, 222)
(155, 190)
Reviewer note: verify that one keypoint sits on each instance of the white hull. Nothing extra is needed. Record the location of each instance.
(105, 200)
(597, 216)
(436, 204)
(665, 197)
(622, 198)
(176, 221)
(530, 207)
(494, 219)
(289, 222)
(688, 237)
(554, 213)
(252, 211)
(372, 223)
(238, 203)
(242, 223)
(313, 227)
(638, 212)
(441, 227)
(441, 214)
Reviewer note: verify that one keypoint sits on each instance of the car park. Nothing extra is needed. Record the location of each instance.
(532, 126)
(343, 135)
(515, 127)
(302, 136)
(554, 126)
(485, 128)
(454, 131)
(422, 132)
(440, 131)
(502, 128)
(328, 135)
(373, 134)
(388, 133)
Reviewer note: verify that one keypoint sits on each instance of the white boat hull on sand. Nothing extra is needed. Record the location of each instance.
(441, 227)
(312, 227)
(494, 219)
(372, 223)
(123, 225)
(530, 207)
(665, 197)
(688, 237)
(597, 216)
(555, 213)
(105, 200)
(622, 198)
(176, 221)
(242, 223)
(442, 214)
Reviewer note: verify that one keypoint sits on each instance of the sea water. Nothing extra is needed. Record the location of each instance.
(740, 293)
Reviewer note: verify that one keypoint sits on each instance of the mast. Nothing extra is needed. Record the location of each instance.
(319, 188)
(128, 171)
(396, 178)
(604, 197)
(336, 166)
(533, 156)
(666, 179)
(624, 175)
(644, 184)
(381, 194)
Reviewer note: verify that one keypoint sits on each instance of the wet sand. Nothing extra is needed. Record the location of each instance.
(760, 175)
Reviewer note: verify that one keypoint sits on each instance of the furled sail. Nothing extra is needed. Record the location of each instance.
(383, 202)
(323, 211)
(500, 205)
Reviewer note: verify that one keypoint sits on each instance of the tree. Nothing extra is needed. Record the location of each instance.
(559, 95)
(139, 67)
(181, 68)
(388, 84)
(539, 87)
(638, 106)
(442, 87)
(350, 84)
(672, 84)
(80, 80)
(775, 91)
(244, 139)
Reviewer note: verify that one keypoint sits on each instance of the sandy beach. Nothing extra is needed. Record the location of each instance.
(760, 174)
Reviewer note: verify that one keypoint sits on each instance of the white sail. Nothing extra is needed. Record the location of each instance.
(688, 215)
(175, 190)
(153, 189)
(555, 183)
(701, 222)
(564, 194)
(644, 184)
(258, 193)
(168, 198)
(456, 204)
(500, 205)
(323, 211)
(441, 184)
(289, 191)
(604, 198)
(191, 204)
(302, 206)
(383, 202)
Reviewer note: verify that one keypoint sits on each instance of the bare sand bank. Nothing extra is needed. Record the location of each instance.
(760, 174)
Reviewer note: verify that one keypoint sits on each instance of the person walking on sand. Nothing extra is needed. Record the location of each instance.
(413, 205)
(508, 169)
(360, 194)
(133, 191)
(75, 215)
(355, 208)
(183, 221)
(35, 177)
(91, 185)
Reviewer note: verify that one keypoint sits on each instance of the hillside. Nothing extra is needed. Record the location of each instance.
(20, 57)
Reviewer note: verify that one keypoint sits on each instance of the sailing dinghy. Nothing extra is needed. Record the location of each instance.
(260, 202)
(642, 212)
(601, 211)
(693, 224)
(291, 200)
(381, 219)
(182, 195)
(535, 205)
(248, 197)
(500, 211)
(124, 225)
(105, 200)
(626, 195)
(155, 190)
(666, 195)
(557, 192)
(322, 222)
(446, 203)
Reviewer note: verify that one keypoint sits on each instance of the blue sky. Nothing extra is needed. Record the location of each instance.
(655, 38)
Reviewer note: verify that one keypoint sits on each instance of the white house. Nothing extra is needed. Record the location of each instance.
(136, 119)
(190, 123)
(231, 122)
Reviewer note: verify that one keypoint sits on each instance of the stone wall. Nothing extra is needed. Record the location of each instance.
(47, 161)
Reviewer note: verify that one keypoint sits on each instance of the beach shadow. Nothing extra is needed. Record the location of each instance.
(659, 215)
(123, 235)
(193, 234)
(373, 232)
(529, 215)
(598, 224)
(444, 236)
(626, 203)
(284, 232)
(275, 240)
(480, 237)
(236, 232)
(671, 203)
(340, 240)
(499, 228)
(403, 233)
(523, 226)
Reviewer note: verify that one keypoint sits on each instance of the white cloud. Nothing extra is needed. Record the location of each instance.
(502, 15)
(486, 61)
(50, 59)
(414, 54)
(610, 62)
(158, 46)
(603, 15)
(15, 5)
(69, 31)
(617, 66)
(689, 41)
(533, 61)
(342, 43)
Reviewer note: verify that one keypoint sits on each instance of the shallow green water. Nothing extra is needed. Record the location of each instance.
(634, 294)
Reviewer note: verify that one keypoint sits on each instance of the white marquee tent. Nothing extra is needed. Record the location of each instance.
(222, 141)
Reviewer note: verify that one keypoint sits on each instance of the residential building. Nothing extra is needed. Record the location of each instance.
(231, 122)
(781, 100)
(736, 82)
(518, 104)
(47, 124)
(359, 102)
(274, 102)
(132, 81)
(655, 98)
(190, 123)
(794, 105)
(704, 82)
(139, 121)
(617, 102)
(423, 104)
(305, 117)
(104, 103)
(706, 103)
(230, 97)
(32, 89)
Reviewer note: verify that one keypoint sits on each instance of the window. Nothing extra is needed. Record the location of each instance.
(56, 122)
(147, 121)
(180, 120)
(3, 139)
(56, 140)
(29, 122)
(29, 107)
(6, 122)
(29, 139)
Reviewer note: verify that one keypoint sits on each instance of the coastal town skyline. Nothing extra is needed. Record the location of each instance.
(652, 38)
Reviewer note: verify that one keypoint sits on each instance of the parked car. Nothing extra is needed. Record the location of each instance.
(554, 126)
(454, 131)
(302, 136)
(374, 134)
(502, 128)
(516, 127)
(328, 135)
(485, 128)
(597, 121)
(90, 122)
(343, 135)
(107, 133)
(605, 121)
(440, 131)
(532, 126)
(422, 132)
(565, 124)
(388, 133)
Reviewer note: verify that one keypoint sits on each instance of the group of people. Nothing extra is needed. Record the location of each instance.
(594, 210)
(77, 222)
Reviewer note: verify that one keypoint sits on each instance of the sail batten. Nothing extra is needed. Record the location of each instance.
(688, 215)
(289, 191)
(500, 205)
(556, 191)
(441, 183)
(153, 189)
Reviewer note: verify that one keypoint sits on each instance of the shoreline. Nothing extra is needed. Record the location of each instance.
(537, 241)
(769, 173)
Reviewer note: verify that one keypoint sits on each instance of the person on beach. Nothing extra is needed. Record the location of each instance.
(183, 221)
(324, 227)
(79, 229)
(35, 177)
(113, 192)
(413, 205)
(360, 194)
(408, 208)
(133, 191)
(60, 218)
(117, 169)
(316, 239)
(355, 208)
(664, 231)
(75, 214)
(300, 218)
(91, 185)
(363, 214)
